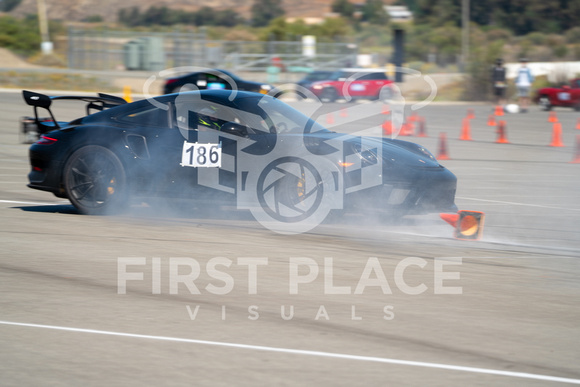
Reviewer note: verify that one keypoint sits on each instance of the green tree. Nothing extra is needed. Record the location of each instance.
(374, 12)
(20, 35)
(264, 11)
(9, 5)
(343, 7)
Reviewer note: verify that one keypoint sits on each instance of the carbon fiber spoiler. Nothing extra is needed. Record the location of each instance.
(38, 100)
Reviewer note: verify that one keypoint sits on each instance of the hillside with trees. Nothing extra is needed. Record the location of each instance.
(540, 30)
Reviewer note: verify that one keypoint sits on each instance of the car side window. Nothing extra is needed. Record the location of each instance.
(373, 76)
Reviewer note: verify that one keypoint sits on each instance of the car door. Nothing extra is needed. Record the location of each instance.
(207, 138)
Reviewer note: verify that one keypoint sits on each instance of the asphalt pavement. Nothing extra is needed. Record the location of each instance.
(157, 299)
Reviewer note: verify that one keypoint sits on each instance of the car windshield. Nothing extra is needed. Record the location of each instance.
(267, 114)
(319, 76)
(261, 114)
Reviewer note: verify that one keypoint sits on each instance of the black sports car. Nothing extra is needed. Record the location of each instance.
(246, 150)
(213, 79)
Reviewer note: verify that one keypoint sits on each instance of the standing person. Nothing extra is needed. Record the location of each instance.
(524, 80)
(498, 80)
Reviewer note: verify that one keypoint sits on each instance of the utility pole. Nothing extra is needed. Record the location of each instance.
(46, 44)
(464, 34)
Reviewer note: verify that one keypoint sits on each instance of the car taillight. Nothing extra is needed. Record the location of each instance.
(44, 140)
(170, 81)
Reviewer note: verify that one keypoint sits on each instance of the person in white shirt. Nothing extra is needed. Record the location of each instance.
(524, 80)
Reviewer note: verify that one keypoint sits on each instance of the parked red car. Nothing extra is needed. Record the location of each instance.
(565, 96)
(352, 84)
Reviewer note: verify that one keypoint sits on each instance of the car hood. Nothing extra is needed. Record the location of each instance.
(392, 151)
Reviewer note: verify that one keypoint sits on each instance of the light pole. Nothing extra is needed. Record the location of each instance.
(464, 34)
(46, 44)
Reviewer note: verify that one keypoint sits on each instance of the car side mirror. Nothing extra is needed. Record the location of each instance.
(235, 129)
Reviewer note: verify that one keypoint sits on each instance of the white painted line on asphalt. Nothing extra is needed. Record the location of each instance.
(308, 353)
(34, 203)
(518, 204)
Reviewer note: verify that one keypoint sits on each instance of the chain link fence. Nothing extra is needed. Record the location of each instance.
(105, 50)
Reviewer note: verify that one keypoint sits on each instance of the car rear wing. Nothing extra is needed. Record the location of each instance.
(37, 100)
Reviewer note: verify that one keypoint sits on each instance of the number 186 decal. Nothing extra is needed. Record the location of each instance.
(201, 155)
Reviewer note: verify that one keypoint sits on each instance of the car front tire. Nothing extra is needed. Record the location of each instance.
(95, 181)
(544, 102)
(328, 95)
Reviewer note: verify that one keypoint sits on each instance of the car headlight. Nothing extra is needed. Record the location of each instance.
(426, 152)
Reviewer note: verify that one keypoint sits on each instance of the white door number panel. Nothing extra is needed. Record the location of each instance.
(201, 155)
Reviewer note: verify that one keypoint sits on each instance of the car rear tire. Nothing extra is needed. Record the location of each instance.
(328, 95)
(95, 181)
(544, 102)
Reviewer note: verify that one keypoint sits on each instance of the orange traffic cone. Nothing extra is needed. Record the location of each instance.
(443, 155)
(343, 112)
(577, 157)
(386, 109)
(578, 124)
(557, 135)
(501, 133)
(406, 129)
(422, 131)
(470, 114)
(414, 117)
(450, 218)
(387, 128)
(465, 130)
(330, 118)
(552, 117)
(499, 111)
(491, 120)
(127, 94)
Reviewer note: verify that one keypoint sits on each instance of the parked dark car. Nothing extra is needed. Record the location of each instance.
(213, 80)
(239, 149)
(314, 76)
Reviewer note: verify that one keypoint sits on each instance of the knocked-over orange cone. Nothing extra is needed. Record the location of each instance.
(491, 120)
(552, 117)
(443, 155)
(468, 225)
(465, 130)
(499, 110)
(576, 159)
(501, 133)
(557, 135)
